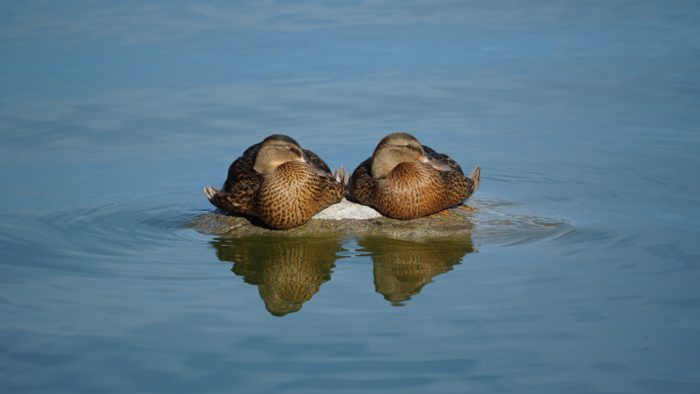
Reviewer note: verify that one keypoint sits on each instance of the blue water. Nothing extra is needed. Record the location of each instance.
(581, 274)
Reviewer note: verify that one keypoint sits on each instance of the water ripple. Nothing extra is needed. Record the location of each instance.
(496, 225)
(154, 227)
(105, 234)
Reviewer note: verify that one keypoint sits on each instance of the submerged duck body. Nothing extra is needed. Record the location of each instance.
(279, 183)
(406, 180)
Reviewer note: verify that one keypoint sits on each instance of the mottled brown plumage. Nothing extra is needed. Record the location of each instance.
(279, 183)
(406, 180)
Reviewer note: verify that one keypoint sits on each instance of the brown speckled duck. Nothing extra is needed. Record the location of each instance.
(279, 183)
(406, 180)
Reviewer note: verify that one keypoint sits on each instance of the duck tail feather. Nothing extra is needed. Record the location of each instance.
(210, 191)
(341, 175)
(220, 200)
(475, 176)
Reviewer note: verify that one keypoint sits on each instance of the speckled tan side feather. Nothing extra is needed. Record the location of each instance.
(294, 194)
(413, 189)
(287, 198)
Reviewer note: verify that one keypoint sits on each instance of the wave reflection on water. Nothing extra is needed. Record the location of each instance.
(495, 224)
(117, 230)
(288, 271)
(109, 235)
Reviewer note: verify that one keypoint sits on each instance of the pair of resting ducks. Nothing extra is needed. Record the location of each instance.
(283, 185)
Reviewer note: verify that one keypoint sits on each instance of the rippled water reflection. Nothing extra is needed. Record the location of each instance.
(580, 275)
(402, 268)
(289, 270)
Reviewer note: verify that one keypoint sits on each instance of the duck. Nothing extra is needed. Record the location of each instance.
(404, 179)
(278, 183)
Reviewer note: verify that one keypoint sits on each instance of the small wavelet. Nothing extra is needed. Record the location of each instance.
(495, 225)
(124, 233)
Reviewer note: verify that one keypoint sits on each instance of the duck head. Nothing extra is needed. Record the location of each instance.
(394, 149)
(275, 150)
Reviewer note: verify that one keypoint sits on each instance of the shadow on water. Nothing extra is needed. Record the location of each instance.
(287, 271)
(403, 268)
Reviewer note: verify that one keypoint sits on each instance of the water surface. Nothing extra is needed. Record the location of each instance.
(580, 275)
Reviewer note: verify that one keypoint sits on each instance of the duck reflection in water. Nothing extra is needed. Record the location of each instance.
(287, 271)
(402, 268)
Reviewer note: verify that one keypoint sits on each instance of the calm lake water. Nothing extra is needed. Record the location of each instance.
(581, 275)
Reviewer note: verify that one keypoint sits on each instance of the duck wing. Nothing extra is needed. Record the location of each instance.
(441, 161)
(238, 200)
(333, 186)
(467, 185)
(317, 161)
(362, 186)
(240, 187)
(242, 168)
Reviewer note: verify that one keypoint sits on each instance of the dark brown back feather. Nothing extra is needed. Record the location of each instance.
(317, 161)
(441, 157)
